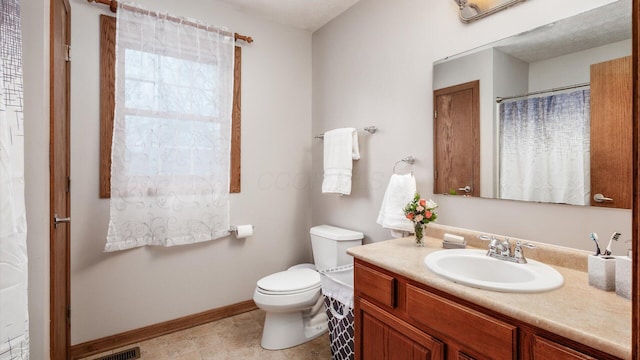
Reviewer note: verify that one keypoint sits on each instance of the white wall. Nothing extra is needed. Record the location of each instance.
(373, 65)
(116, 292)
(35, 63)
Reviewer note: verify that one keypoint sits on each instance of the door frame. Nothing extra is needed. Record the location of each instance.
(59, 286)
(635, 221)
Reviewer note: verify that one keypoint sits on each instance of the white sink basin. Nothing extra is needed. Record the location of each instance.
(474, 268)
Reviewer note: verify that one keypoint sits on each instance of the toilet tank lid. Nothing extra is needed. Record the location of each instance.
(335, 233)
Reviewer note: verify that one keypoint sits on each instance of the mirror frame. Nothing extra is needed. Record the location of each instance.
(635, 296)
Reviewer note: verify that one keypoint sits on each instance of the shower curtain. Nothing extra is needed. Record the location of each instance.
(14, 320)
(544, 149)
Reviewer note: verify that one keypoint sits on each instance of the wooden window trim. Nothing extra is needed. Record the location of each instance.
(107, 108)
(234, 176)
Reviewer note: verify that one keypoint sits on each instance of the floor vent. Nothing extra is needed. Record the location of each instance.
(133, 353)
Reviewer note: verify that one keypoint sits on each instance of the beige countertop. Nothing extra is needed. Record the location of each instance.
(577, 311)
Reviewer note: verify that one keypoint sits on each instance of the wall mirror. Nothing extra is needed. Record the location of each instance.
(542, 116)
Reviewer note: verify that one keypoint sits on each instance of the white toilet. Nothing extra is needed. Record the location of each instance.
(293, 300)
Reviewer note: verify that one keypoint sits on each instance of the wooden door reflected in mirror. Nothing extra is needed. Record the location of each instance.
(611, 133)
(456, 139)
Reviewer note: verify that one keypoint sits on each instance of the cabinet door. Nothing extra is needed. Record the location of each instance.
(381, 336)
(546, 349)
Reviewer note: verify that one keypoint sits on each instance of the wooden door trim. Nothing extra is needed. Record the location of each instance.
(53, 279)
(635, 296)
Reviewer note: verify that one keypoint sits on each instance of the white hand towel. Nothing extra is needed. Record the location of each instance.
(340, 149)
(400, 191)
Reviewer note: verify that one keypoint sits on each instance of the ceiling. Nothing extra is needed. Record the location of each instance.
(301, 14)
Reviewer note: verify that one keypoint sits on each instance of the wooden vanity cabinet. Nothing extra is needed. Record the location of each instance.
(397, 318)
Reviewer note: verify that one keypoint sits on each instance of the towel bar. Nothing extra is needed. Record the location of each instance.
(369, 129)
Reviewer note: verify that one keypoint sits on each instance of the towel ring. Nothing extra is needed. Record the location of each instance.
(409, 160)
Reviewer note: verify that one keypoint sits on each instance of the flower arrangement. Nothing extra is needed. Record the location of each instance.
(420, 212)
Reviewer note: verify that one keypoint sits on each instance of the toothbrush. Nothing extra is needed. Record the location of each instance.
(594, 237)
(614, 237)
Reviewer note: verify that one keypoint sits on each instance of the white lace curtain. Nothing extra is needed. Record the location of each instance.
(14, 311)
(172, 130)
(544, 149)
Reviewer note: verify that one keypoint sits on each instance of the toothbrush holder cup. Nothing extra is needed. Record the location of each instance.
(623, 276)
(602, 272)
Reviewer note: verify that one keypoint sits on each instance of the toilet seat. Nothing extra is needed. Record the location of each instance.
(289, 282)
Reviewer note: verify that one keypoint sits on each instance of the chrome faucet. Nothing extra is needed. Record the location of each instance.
(502, 249)
(505, 248)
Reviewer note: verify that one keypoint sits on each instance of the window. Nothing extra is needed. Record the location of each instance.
(138, 114)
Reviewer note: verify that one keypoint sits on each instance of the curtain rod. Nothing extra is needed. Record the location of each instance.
(113, 6)
(500, 99)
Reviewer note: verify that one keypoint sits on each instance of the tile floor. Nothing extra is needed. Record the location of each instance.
(236, 337)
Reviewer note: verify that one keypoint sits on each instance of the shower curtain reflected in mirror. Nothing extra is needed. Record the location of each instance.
(544, 149)
(14, 321)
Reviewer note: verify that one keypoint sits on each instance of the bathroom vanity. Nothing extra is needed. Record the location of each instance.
(405, 311)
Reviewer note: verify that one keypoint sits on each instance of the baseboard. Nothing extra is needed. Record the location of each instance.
(134, 336)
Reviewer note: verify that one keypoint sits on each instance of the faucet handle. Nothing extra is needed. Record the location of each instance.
(518, 254)
(493, 243)
(526, 244)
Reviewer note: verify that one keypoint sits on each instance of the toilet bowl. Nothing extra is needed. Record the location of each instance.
(293, 300)
(293, 303)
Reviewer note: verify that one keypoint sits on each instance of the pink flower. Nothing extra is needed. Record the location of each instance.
(428, 214)
(420, 208)
(419, 218)
(422, 202)
(410, 216)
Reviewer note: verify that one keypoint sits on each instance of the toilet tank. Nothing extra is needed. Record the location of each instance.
(330, 244)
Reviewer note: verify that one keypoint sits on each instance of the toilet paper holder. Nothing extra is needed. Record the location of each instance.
(234, 229)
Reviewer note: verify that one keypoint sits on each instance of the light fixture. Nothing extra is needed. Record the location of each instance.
(471, 10)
